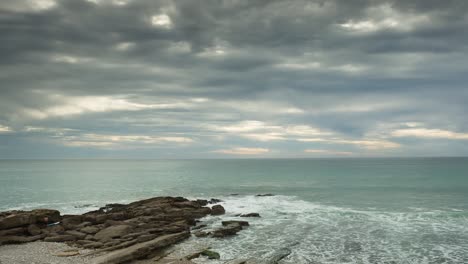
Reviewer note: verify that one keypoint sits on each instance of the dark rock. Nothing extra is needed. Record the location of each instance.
(214, 201)
(265, 195)
(71, 221)
(34, 230)
(250, 215)
(210, 254)
(229, 230)
(234, 222)
(199, 227)
(200, 233)
(56, 229)
(24, 218)
(202, 202)
(18, 231)
(217, 210)
(18, 239)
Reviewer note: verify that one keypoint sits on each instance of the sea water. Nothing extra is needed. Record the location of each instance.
(401, 210)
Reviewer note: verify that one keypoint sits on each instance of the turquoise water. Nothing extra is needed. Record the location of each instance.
(325, 210)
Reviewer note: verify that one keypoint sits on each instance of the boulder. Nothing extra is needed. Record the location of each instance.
(229, 230)
(217, 210)
(18, 231)
(210, 254)
(112, 232)
(200, 233)
(141, 250)
(234, 222)
(214, 201)
(250, 215)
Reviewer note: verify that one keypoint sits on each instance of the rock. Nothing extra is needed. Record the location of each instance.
(56, 229)
(18, 239)
(60, 238)
(67, 253)
(210, 254)
(265, 195)
(201, 233)
(112, 232)
(18, 231)
(141, 250)
(24, 218)
(217, 210)
(89, 230)
(72, 221)
(78, 235)
(241, 223)
(214, 201)
(229, 230)
(199, 227)
(34, 230)
(84, 224)
(250, 215)
(93, 245)
(202, 202)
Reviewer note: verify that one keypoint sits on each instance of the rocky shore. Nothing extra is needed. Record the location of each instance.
(140, 232)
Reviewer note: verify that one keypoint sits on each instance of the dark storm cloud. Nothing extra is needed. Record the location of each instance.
(235, 77)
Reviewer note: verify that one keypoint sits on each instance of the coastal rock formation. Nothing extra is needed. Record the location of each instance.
(120, 233)
(250, 215)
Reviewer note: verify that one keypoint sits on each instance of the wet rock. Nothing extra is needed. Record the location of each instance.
(200, 233)
(229, 230)
(217, 210)
(112, 232)
(210, 254)
(250, 215)
(265, 195)
(214, 201)
(234, 222)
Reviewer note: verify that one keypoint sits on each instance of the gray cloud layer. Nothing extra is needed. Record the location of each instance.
(123, 78)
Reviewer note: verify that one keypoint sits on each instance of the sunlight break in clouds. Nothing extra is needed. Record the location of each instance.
(429, 133)
(243, 151)
(161, 21)
(75, 105)
(4, 129)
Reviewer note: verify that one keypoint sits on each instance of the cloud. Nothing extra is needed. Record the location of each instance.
(372, 77)
(328, 152)
(429, 133)
(4, 129)
(243, 151)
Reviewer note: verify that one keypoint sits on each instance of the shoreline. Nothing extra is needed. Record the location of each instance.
(144, 231)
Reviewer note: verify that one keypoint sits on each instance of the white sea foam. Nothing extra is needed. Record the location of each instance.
(319, 233)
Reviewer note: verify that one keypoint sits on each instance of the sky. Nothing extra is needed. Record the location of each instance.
(233, 79)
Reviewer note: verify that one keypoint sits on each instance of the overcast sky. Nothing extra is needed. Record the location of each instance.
(223, 79)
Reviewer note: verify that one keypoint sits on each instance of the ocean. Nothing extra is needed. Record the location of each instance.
(398, 210)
